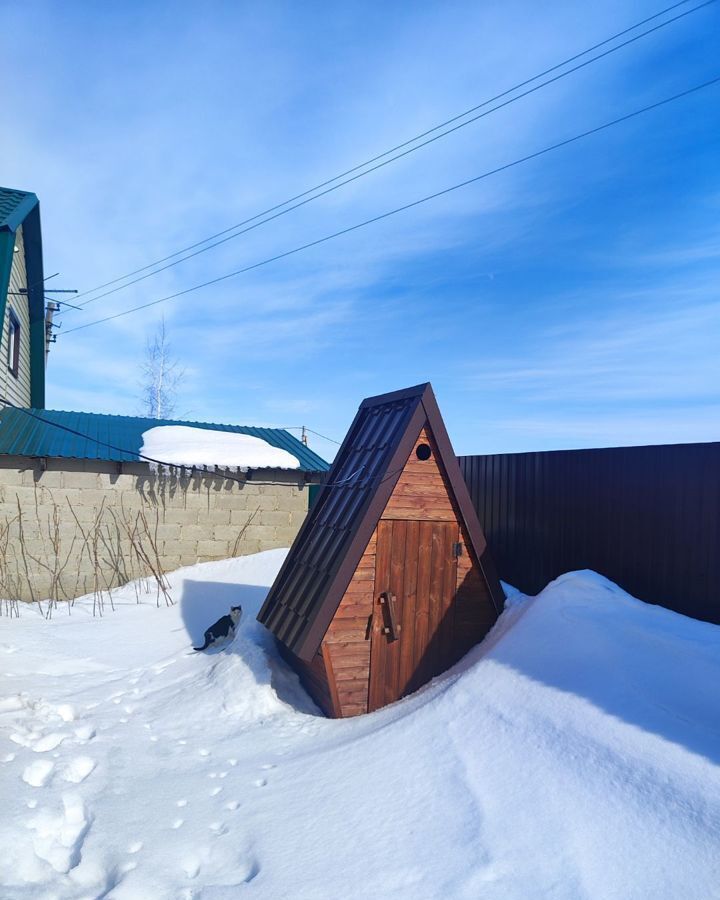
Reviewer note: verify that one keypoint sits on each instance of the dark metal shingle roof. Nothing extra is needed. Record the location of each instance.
(116, 438)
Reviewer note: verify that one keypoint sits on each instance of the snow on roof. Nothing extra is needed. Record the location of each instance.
(181, 445)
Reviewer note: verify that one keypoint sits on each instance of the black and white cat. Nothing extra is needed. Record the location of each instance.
(222, 631)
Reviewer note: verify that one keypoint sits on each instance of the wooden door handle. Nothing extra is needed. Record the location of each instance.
(391, 628)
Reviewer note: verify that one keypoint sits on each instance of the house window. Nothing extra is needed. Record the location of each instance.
(13, 357)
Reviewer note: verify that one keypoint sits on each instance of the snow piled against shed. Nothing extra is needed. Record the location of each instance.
(182, 445)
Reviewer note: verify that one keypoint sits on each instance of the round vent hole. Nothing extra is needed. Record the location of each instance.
(423, 451)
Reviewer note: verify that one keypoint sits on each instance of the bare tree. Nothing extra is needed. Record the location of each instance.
(162, 376)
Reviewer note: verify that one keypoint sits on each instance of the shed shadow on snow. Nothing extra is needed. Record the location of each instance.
(203, 602)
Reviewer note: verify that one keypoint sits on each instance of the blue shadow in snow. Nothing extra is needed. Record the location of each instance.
(203, 602)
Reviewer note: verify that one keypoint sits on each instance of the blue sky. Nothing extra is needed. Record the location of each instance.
(570, 302)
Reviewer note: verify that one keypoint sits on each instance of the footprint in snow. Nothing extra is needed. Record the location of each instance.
(59, 837)
(203, 752)
(78, 769)
(8, 758)
(260, 782)
(248, 869)
(135, 847)
(85, 733)
(66, 712)
(181, 803)
(178, 823)
(232, 805)
(38, 773)
(218, 828)
(191, 866)
(215, 791)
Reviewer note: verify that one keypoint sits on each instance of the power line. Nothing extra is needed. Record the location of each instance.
(317, 433)
(277, 211)
(405, 207)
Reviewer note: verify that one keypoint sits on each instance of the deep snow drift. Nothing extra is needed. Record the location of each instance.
(574, 754)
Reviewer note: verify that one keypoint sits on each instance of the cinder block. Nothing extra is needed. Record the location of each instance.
(12, 477)
(31, 476)
(188, 559)
(261, 532)
(240, 517)
(196, 532)
(86, 515)
(95, 497)
(271, 490)
(185, 549)
(82, 480)
(228, 501)
(274, 517)
(198, 499)
(211, 549)
(214, 517)
(225, 533)
(285, 536)
(167, 532)
(247, 546)
(269, 545)
(27, 496)
(48, 479)
(181, 516)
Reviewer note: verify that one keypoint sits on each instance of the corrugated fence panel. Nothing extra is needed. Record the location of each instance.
(648, 518)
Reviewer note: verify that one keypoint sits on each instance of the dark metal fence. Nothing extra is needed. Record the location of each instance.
(648, 518)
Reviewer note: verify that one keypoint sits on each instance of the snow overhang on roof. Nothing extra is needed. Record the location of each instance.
(77, 435)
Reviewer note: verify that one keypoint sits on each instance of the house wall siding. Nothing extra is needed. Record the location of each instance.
(17, 390)
(45, 508)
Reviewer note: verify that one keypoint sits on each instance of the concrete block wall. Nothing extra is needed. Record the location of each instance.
(65, 525)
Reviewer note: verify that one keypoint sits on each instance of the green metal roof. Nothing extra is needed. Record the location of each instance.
(116, 438)
(14, 207)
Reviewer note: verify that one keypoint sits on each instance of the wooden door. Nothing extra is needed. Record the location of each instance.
(415, 571)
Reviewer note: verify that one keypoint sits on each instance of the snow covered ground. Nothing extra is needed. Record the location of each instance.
(575, 754)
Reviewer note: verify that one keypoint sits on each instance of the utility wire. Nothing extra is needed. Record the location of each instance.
(344, 482)
(278, 210)
(316, 433)
(407, 206)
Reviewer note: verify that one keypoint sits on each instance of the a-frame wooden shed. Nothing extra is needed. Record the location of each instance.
(389, 581)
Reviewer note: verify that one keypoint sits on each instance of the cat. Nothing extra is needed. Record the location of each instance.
(223, 630)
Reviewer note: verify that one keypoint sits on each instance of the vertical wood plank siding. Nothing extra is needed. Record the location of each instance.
(647, 518)
(347, 643)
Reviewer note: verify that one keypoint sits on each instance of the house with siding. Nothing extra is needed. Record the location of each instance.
(23, 346)
(81, 510)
